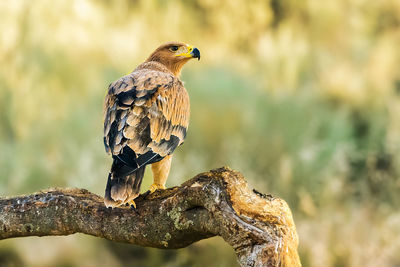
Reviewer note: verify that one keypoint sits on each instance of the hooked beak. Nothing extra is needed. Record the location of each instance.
(195, 53)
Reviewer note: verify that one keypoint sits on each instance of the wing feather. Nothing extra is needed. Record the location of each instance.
(148, 112)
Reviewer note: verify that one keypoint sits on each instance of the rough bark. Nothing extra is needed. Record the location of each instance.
(259, 227)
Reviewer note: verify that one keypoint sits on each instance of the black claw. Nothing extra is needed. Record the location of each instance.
(145, 194)
(134, 209)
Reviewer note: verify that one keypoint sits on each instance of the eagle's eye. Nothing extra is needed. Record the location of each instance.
(173, 48)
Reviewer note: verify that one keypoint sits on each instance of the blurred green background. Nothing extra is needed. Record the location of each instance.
(302, 97)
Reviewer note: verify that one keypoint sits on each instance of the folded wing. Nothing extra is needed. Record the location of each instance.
(146, 116)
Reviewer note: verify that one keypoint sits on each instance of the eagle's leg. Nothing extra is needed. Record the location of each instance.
(160, 173)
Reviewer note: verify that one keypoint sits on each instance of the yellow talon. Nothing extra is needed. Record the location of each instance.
(132, 203)
(155, 187)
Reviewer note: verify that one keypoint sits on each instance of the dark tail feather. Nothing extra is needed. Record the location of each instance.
(121, 188)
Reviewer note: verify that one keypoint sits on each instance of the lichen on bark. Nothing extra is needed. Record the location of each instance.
(259, 227)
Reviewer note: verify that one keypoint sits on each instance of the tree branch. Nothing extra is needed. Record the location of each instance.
(259, 227)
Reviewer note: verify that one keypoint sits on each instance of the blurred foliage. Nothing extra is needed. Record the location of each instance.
(302, 97)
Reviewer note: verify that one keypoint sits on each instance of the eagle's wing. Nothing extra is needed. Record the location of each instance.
(146, 116)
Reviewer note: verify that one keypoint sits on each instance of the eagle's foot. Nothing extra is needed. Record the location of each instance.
(132, 204)
(155, 187)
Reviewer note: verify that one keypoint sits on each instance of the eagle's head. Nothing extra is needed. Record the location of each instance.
(174, 55)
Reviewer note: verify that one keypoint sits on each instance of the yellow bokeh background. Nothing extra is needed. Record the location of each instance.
(302, 97)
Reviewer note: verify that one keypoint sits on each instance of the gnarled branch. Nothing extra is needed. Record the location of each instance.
(259, 227)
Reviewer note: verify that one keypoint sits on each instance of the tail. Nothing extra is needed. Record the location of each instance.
(123, 184)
